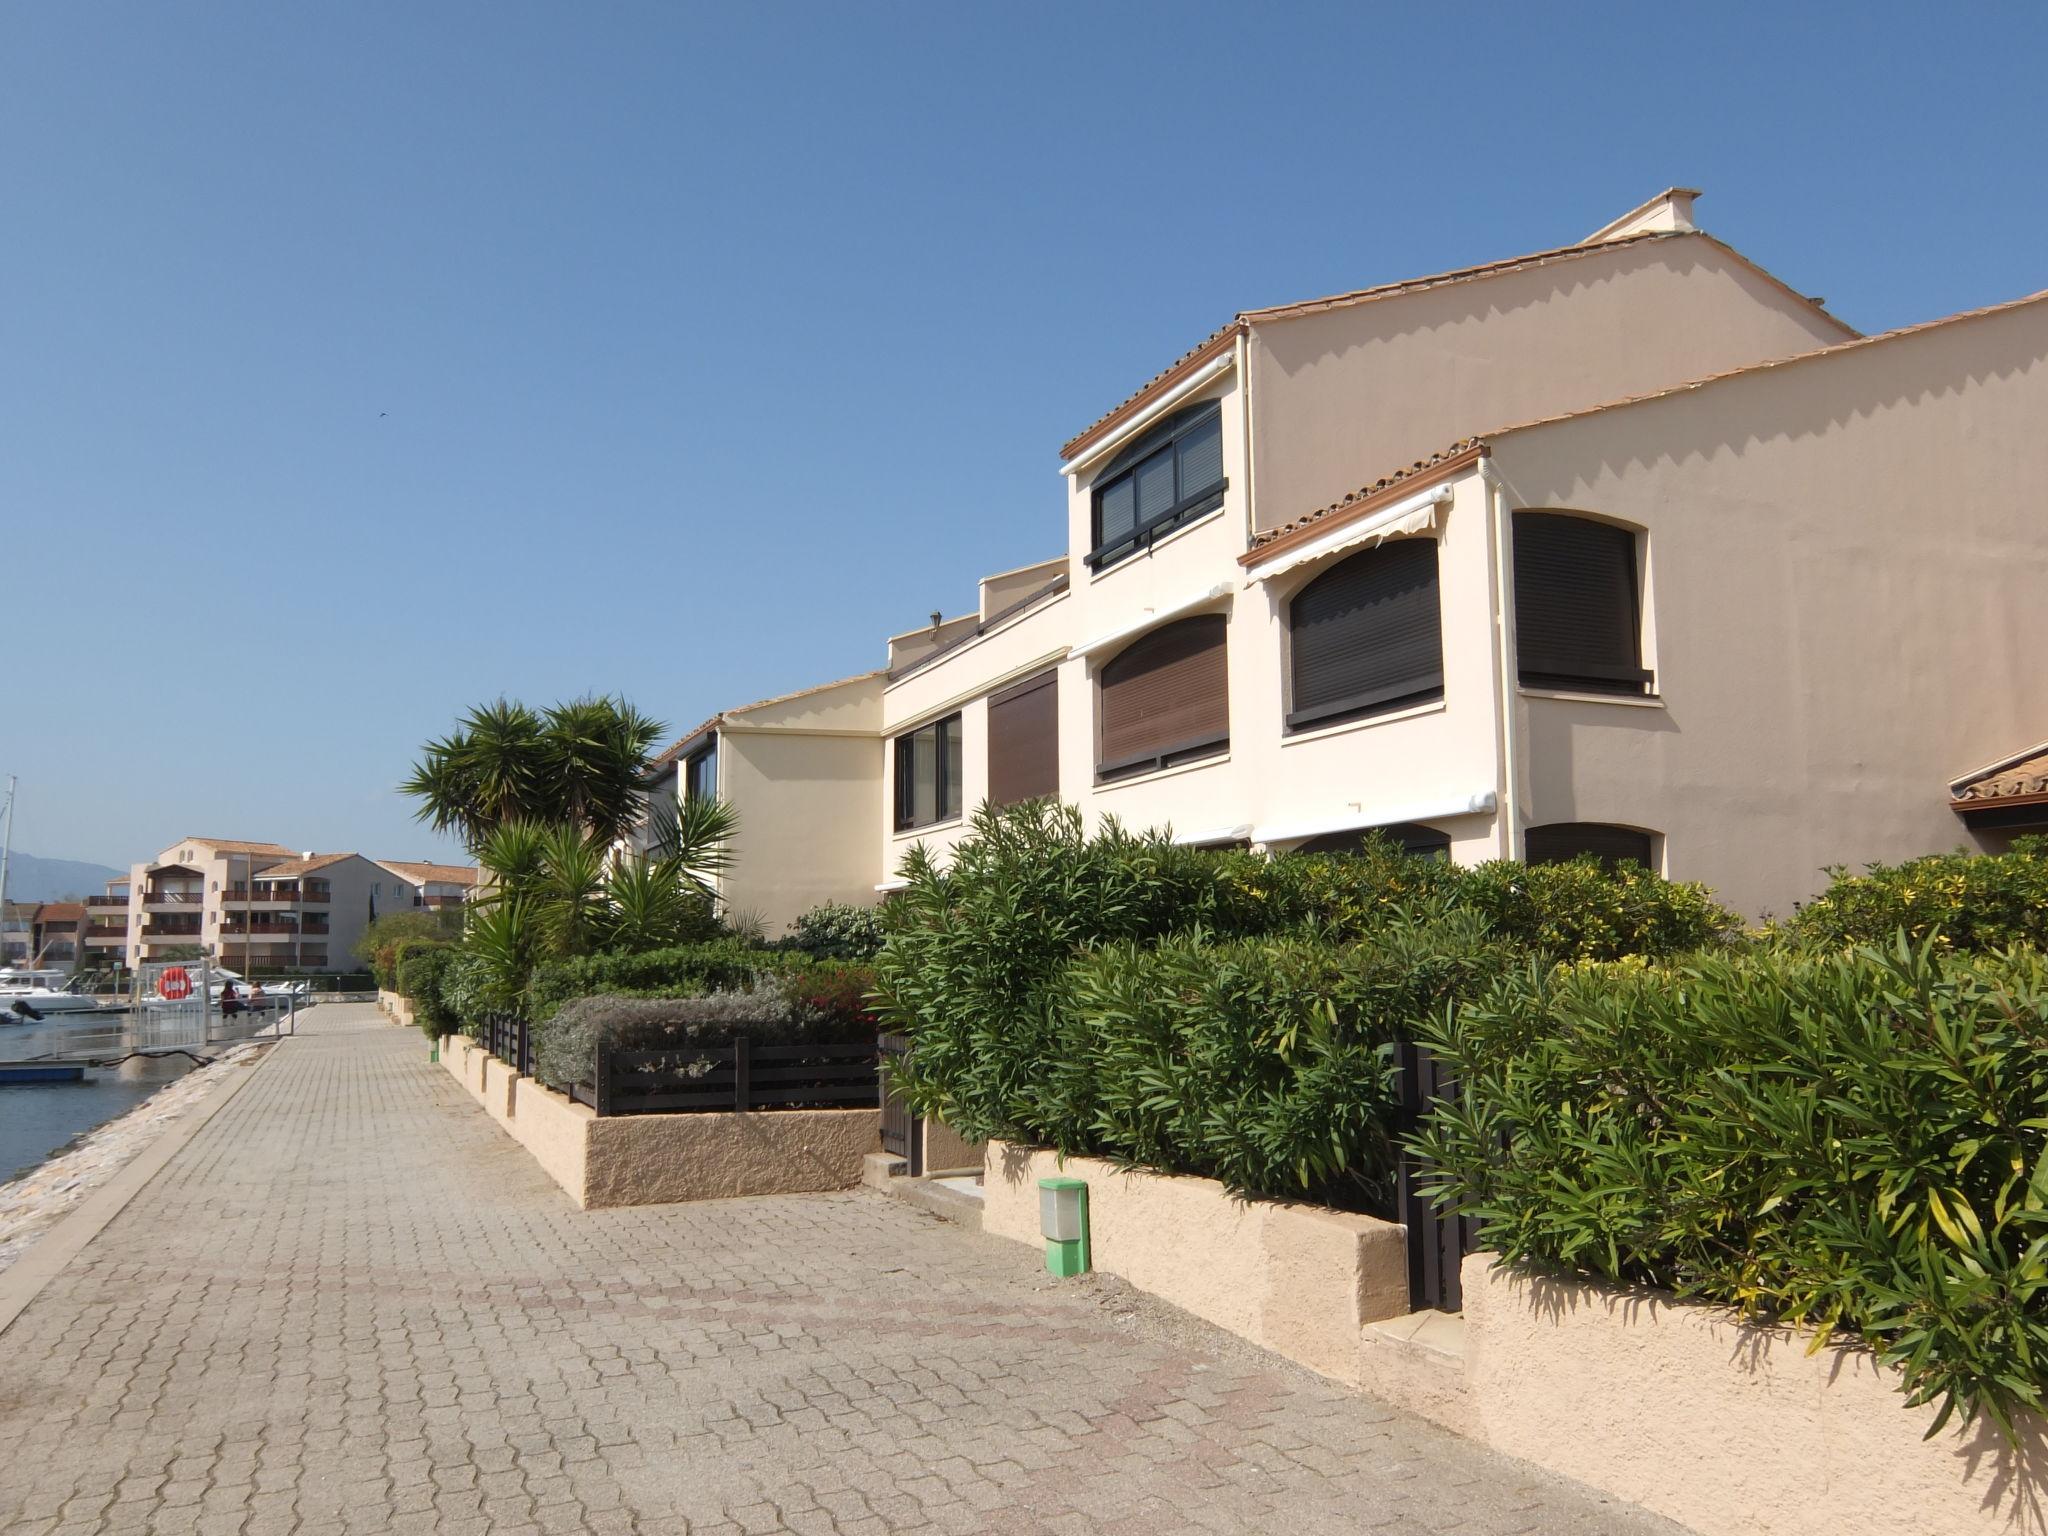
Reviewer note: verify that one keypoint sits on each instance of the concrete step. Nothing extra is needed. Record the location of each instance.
(955, 1196)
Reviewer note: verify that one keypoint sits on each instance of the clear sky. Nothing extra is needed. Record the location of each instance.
(359, 362)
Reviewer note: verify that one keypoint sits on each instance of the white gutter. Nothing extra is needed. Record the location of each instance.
(1154, 617)
(1507, 698)
(1479, 804)
(1415, 514)
(1198, 379)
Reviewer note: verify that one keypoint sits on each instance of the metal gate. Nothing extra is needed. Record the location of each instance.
(183, 1004)
(902, 1130)
(1437, 1240)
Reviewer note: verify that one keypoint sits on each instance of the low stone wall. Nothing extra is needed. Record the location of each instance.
(397, 1007)
(1297, 1279)
(656, 1159)
(1731, 1429)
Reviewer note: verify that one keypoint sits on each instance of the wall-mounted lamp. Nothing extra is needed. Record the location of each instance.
(1063, 1219)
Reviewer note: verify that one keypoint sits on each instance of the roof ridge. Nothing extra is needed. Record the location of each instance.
(1832, 349)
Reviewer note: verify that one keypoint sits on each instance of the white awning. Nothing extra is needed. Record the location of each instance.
(893, 885)
(1237, 834)
(1153, 618)
(1417, 514)
(1390, 814)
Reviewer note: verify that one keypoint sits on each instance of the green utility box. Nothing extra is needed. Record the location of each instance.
(1063, 1219)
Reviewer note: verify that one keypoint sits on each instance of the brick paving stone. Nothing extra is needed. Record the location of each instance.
(351, 1306)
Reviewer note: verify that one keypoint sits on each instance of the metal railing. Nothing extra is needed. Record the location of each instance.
(732, 1078)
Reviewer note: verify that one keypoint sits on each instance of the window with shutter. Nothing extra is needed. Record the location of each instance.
(700, 773)
(1366, 635)
(928, 774)
(1168, 477)
(1410, 837)
(1578, 620)
(1562, 841)
(1024, 741)
(1165, 698)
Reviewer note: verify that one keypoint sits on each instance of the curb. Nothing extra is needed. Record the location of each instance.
(24, 1279)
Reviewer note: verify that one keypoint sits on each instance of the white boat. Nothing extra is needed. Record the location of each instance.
(43, 991)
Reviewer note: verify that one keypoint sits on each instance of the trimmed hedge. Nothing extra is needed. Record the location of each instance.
(684, 971)
(770, 1010)
(1120, 995)
(1853, 1143)
(1961, 901)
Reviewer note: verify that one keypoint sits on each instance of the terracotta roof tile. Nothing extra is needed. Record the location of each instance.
(230, 845)
(1420, 467)
(2022, 779)
(436, 874)
(60, 912)
(304, 866)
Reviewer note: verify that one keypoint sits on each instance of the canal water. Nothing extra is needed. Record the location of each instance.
(38, 1118)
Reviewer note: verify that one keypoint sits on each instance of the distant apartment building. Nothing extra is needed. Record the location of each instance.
(258, 906)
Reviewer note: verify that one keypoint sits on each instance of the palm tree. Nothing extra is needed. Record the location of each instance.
(583, 764)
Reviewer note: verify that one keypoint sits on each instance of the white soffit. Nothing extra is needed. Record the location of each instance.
(1158, 408)
(1377, 816)
(1154, 617)
(1240, 833)
(1416, 514)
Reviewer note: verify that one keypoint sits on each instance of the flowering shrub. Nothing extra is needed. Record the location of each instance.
(1960, 901)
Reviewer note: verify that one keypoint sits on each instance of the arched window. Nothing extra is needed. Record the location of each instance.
(1366, 635)
(1165, 698)
(1410, 837)
(1578, 614)
(1562, 841)
(1169, 476)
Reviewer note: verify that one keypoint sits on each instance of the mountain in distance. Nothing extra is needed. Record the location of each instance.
(32, 879)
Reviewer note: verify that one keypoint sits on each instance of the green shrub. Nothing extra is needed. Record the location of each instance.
(467, 983)
(1854, 1142)
(378, 946)
(769, 1010)
(684, 971)
(1962, 901)
(421, 966)
(838, 930)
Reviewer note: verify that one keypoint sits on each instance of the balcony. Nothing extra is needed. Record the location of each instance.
(107, 901)
(114, 936)
(282, 894)
(174, 930)
(260, 925)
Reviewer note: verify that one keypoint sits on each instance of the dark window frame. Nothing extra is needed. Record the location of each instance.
(1630, 678)
(1188, 750)
(693, 764)
(1188, 504)
(1611, 830)
(1426, 688)
(1416, 839)
(947, 795)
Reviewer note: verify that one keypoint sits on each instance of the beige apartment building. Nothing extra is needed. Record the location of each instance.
(803, 773)
(257, 906)
(1625, 547)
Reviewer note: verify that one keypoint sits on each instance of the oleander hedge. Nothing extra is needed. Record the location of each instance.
(1958, 901)
(1856, 1143)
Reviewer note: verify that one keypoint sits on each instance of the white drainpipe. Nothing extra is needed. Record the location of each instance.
(1504, 642)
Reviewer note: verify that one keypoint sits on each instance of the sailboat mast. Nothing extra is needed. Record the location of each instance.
(6, 848)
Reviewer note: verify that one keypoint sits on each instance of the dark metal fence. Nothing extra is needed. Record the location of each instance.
(510, 1039)
(1436, 1240)
(900, 1126)
(741, 1076)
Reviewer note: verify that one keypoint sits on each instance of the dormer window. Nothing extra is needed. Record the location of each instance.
(1166, 479)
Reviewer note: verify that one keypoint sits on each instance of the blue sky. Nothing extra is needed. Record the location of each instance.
(361, 362)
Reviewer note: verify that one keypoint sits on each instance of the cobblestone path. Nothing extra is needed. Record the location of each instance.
(351, 1304)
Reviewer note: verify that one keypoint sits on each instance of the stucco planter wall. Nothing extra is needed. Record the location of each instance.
(1298, 1279)
(1731, 1429)
(397, 1006)
(654, 1159)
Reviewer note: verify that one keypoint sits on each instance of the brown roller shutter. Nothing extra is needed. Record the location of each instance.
(1367, 634)
(1578, 620)
(1565, 840)
(1166, 697)
(1024, 741)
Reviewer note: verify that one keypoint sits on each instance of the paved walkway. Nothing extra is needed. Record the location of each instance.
(351, 1304)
